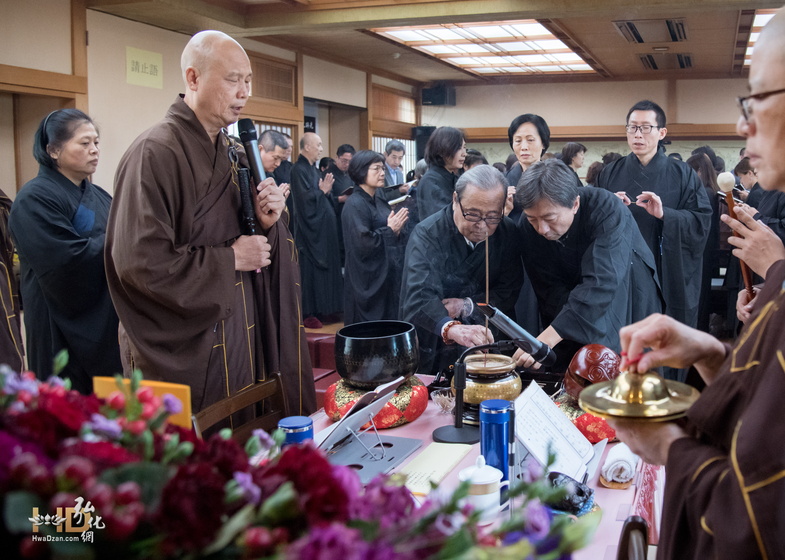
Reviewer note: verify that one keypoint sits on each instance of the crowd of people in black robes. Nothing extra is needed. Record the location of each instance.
(354, 222)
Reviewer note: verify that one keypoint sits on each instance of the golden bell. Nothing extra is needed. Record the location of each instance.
(638, 396)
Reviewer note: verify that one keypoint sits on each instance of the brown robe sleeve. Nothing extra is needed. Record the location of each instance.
(725, 490)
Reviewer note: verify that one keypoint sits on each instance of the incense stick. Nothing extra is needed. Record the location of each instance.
(487, 293)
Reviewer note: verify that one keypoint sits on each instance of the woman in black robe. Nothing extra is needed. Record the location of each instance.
(701, 163)
(573, 154)
(444, 154)
(374, 241)
(529, 137)
(58, 223)
(748, 179)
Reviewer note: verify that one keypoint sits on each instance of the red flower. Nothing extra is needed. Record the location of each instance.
(322, 497)
(41, 427)
(226, 454)
(104, 454)
(191, 507)
(72, 409)
(10, 447)
(185, 434)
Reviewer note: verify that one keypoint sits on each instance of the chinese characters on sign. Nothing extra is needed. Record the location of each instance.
(144, 68)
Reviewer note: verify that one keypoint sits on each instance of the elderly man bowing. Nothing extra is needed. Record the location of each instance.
(445, 269)
(182, 277)
(725, 463)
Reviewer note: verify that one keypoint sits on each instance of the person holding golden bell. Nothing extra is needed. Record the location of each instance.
(725, 462)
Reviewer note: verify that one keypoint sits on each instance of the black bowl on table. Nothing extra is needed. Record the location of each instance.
(376, 352)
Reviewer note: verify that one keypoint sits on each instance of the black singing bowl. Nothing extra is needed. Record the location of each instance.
(376, 352)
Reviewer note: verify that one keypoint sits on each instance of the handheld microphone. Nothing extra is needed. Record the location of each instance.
(250, 141)
(246, 203)
(541, 352)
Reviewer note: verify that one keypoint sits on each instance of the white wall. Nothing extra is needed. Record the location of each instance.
(330, 82)
(7, 170)
(122, 111)
(37, 32)
(587, 104)
(261, 48)
(406, 88)
(708, 101)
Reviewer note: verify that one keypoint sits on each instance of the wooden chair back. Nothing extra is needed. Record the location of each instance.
(269, 392)
(634, 539)
(104, 386)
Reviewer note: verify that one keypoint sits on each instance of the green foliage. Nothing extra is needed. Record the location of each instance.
(60, 361)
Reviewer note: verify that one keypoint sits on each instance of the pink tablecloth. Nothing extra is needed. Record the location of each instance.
(616, 505)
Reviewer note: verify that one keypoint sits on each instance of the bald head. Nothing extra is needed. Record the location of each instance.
(311, 146)
(775, 29)
(217, 76)
(201, 50)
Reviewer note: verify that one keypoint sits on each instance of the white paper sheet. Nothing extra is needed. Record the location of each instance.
(540, 425)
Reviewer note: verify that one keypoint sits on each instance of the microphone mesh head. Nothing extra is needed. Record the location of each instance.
(247, 130)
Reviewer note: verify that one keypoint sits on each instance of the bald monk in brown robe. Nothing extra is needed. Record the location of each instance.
(725, 465)
(184, 280)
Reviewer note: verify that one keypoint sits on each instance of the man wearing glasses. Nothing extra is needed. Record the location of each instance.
(445, 269)
(590, 268)
(724, 461)
(671, 207)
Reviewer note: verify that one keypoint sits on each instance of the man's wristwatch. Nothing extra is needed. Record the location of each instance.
(468, 307)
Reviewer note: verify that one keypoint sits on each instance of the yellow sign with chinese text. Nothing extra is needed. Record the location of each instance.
(144, 68)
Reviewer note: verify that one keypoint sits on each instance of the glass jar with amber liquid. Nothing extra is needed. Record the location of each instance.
(488, 376)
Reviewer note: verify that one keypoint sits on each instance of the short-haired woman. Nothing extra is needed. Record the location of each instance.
(444, 153)
(374, 239)
(573, 154)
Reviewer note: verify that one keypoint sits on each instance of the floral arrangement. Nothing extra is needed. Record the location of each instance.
(83, 477)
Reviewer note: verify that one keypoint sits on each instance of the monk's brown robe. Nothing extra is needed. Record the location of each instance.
(11, 347)
(186, 315)
(725, 490)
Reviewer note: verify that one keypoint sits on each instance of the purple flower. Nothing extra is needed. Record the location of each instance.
(386, 503)
(172, 404)
(17, 407)
(537, 525)
(538, 520)
(15, 383)
(532, 471)
(56, 381)
(101, 425)
(264, 438)
(331, 542)
(449, 524)
(251, 492)
(347, 478)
